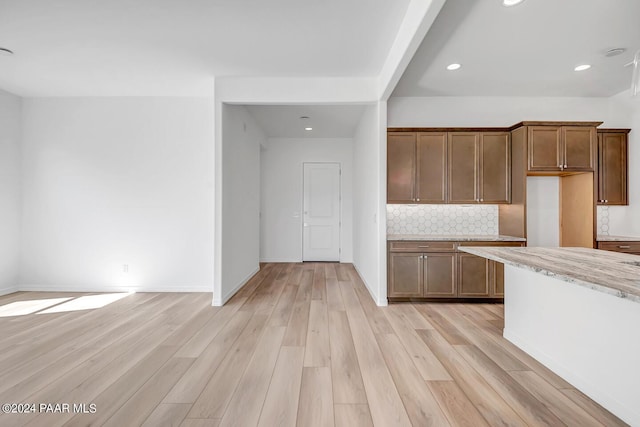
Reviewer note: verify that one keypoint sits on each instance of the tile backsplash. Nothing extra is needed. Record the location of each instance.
(603, 220)
(442, 219)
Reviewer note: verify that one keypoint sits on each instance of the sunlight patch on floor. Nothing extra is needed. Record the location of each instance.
(21, 308)
(88, 302)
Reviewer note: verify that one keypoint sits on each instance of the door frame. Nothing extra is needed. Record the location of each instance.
(339, 209)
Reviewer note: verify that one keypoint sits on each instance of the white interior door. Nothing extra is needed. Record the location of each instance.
(321, 212)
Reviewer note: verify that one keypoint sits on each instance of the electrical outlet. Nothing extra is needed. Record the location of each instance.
(125, 268)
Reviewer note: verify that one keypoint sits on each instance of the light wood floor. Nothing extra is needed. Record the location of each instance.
(300, 344)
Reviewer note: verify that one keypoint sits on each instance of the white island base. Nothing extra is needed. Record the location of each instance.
(591, 339)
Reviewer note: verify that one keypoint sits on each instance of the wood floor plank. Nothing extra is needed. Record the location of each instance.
(456, 405)
(167, 414)
(199, 340)
(317, 349)
(316, 400)
(152, 357)
(383, 397)
(564, 408)
(524, 403)
(448, 331)
(282, 311)
(319, 291)
(345, 370)
(137, 408)
(248, 398)
(281, 403)
(196, 378)
(192, 422)
(334, 297)
(353, 415)
(215, 397)
(472, 331)
(421, 406)
(296, 335)
(492, 407)
(592, 408)
(422, 357)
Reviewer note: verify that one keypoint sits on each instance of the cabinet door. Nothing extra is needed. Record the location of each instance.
(473, 276)
(544, 148)
(462, 162)
(405, 275)
(401, 167)
(497, 279)
(612, 169)
(439, 275)
(578, 147)
(495, 168)
(431, 167)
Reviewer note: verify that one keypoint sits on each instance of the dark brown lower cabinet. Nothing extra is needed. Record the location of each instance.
(497, 282)
(439, 275)
(628, 247)
(473, 276)
(405, 275)
(416, 273)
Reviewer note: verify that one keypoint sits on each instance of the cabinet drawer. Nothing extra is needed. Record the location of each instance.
(476, 243)
(415, 246)
(626, 247)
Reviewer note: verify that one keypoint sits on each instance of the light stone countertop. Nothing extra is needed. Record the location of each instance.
(613, 273)
(456, 237)
(603, 238)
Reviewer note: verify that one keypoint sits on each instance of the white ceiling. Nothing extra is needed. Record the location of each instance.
(327, 121)
(169, 47)
(527, 50)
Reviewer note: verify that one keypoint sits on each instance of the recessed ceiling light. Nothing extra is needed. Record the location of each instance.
(582, 67)
(453, 67)
(615, 52)
(308, 128)
(511, 2)
(5, 52)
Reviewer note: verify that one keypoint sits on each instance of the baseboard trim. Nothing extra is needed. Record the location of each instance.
(380, 302)
(280, 260)
(9, 290)
(119, 288)
(233, 291)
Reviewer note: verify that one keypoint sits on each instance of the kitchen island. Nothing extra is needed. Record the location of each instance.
(577, 311)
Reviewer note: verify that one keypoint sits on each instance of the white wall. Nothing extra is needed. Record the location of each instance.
(282, 159)
(625, 220)
(114, 181)
(543, 211)
(502, 111)
(10, 199)
(240, 253)
(369, 202)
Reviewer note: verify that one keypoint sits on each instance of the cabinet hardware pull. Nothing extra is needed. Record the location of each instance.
(423, 246)
(624, 247)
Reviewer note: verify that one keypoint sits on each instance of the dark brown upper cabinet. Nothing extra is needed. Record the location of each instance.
(479, 165)
(401, 167)
(612, 167)
(561, 147)
(448, 167)
(431, 172)
(494, 181)
(463, 167)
